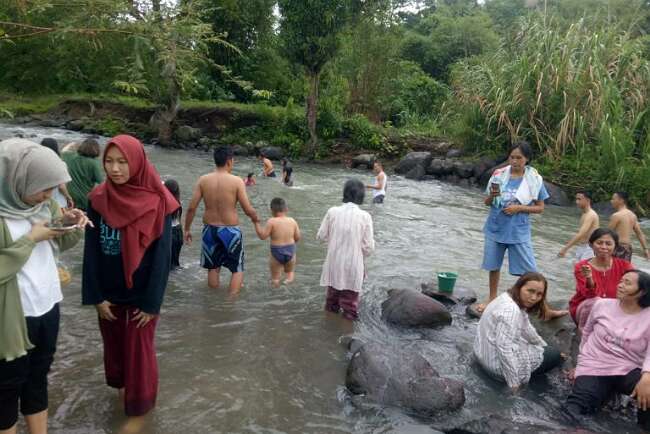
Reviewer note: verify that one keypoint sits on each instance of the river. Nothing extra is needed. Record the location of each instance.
(270, 361)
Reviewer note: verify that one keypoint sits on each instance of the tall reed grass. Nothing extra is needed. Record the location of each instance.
(580, 96)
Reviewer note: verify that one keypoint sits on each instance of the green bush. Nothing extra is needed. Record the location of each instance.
(362, 133)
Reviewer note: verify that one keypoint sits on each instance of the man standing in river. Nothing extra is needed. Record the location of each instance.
(222, 242)
(267, 166)
(624, 222)
(589, 222)
(379, 187)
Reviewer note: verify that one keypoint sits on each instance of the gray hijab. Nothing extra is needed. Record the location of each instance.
(28, 168)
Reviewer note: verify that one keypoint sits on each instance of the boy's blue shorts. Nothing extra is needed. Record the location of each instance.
(521, 258)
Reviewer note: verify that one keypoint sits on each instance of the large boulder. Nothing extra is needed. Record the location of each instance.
(272, 152)
(435, 167)
(408, 308)
(463, 169)
(402, 379)
(411, 160)
(454, 153)
(557, 195)
(460, 295)
(185, 134)
(364, 160)
(242, 150)
(417, 173)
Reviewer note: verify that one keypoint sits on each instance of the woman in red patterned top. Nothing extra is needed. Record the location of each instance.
(597, 277)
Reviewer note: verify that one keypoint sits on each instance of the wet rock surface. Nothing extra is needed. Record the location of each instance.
(366, 160)
(402, 379)
(409, 308)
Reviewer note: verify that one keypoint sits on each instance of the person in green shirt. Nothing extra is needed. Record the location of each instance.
(85, 170)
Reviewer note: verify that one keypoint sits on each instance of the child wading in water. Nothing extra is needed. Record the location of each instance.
(177, 227)
(250, 180)
(284, 233)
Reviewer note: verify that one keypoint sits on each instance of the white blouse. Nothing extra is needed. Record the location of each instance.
(507, 345)
(38, 280)
(348, 232)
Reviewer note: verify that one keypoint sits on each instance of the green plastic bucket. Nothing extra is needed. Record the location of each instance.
(446, 281)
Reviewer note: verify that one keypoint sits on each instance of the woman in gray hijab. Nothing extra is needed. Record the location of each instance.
(30, 291)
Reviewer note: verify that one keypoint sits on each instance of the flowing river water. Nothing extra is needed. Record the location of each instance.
(270, 361)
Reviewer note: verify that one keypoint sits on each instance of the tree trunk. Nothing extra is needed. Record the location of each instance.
(312, 111)
(166, 115)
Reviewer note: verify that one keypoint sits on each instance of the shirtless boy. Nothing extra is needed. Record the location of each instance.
(267, 168)
(589, 222)
(284, 233)
(379, 187)
(222, 241)
(624, 222)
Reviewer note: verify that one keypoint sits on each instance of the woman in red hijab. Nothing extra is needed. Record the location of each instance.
(126, 264)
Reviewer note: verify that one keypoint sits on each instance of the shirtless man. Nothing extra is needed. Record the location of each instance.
(379, 187)
(268, 166)
(624, 222)
(589, 222)
(222, 240)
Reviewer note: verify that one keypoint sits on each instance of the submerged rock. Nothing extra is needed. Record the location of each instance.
(402, 379)
(503, 425)
(409, 308)
(364, 160)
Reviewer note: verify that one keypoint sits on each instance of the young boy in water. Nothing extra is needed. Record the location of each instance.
(284, 233)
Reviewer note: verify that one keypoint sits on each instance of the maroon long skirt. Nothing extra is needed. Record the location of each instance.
(130, 359)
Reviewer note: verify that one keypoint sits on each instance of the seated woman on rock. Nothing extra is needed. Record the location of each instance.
(597, 277)
(507, 345)
(615, 350)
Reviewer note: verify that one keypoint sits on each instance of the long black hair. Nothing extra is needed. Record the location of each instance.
(175, 190)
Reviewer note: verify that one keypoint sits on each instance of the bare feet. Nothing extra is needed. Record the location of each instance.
(133, 425)
(291, 276)
(275, 283)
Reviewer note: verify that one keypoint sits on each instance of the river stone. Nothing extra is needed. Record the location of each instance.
(364, 160)
(605, 208)
(411, 160)
(447, 167)
(557, 195)
(463, 170)
(504, 425)
(417, 173)
(403, 379)
(241, 150)
(272, 152)
(472, 312)
(460, 295)
(185, 133)
(76, 124)
(454, 153)
(435, 167)
(405, 307)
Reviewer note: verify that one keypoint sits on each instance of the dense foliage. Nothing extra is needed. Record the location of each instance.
(570, 76)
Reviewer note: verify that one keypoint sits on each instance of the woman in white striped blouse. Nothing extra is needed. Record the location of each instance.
(348, 232)
(507, 345)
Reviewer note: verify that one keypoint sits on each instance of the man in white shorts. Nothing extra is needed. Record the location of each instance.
(589, 222)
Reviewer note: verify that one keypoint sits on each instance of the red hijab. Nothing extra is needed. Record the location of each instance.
(138, 207)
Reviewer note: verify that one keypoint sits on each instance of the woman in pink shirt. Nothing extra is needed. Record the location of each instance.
(597, 277)
(615, 350)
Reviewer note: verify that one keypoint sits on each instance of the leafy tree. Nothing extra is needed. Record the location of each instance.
(149, 48)
(310, 31)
